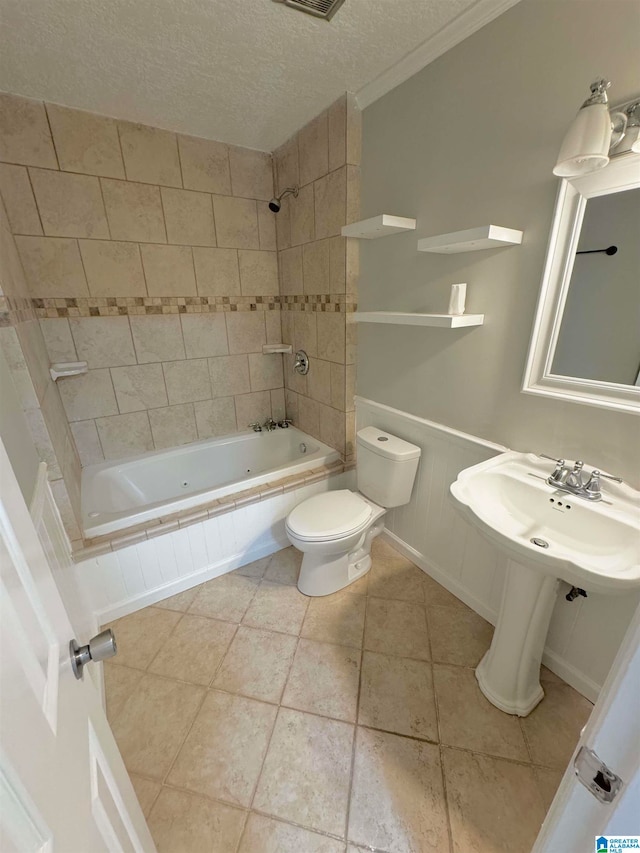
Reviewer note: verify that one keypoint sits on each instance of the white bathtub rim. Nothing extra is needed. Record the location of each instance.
(245, 434)
(114, 522)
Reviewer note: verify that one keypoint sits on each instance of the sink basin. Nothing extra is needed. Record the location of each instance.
(548, 535)
(595, 546)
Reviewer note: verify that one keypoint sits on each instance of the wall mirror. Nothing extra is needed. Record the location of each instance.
(585, 345)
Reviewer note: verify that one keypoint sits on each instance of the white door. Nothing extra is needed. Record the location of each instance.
(576, 818)
(63, 785)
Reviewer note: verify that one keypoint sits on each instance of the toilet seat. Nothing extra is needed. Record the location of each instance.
(329, 516)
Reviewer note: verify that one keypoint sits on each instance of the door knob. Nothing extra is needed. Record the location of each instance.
(100, 647)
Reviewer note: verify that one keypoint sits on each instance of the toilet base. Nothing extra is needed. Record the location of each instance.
(323, 574)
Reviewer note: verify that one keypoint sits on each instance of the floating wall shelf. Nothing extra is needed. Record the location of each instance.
(472, 240)
(378, 226)
(444, 321)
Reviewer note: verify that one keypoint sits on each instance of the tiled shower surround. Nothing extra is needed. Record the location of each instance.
(323, 159)
(153, 257)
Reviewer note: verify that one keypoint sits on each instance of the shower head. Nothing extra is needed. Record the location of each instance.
(276, 203)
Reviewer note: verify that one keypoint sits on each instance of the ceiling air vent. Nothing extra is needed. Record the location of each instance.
(318, 8)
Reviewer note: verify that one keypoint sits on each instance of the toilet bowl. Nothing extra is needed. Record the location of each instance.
(335, 530)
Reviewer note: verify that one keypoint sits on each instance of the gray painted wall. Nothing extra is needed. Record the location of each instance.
(472, 140)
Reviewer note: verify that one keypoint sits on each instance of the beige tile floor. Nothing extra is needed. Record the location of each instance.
(255, 720)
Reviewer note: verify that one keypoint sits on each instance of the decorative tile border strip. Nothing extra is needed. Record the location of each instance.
(16, 310)
(299, 298)
(86, 548)
(336, 302)
(118, 306)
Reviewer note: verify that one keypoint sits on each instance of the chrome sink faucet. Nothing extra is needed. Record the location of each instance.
(570, 479)
(270, 425)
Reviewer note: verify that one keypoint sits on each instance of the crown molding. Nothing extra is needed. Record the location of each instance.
(467, 23)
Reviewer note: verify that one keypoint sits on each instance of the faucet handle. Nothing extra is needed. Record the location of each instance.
(557, 474)
(607, 476)
(256, 427)
(592, 487)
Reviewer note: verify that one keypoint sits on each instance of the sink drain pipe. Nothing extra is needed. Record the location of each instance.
(574, 592)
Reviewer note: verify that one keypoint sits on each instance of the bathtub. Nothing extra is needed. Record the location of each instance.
(116, 495)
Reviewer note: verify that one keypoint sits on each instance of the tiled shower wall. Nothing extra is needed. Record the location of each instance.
(319, 270)
(25, 352)
(152, 256)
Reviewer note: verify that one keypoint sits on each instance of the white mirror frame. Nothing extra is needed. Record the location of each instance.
(622, 173)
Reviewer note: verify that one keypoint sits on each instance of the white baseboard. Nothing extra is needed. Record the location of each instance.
(130, 605)
(578, 680)
(552, 660)
(439, 575)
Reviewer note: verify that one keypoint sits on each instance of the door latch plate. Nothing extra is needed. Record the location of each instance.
(594, 774)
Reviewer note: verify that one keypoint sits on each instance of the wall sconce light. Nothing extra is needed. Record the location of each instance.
(631, 139)
(594, 132)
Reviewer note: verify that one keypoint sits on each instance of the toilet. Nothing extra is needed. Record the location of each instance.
(335, 530)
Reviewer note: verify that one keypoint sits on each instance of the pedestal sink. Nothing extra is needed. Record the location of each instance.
(548, 535)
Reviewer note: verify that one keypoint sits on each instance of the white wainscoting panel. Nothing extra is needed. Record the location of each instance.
(584, 635)
(131, 578)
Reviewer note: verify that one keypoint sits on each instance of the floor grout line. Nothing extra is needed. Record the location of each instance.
(523, 731)
(223, 658)
(313, 831)
(279, 704)
(356, 723)
(443, 777)
(248, 810)
(371, 593)
(163, 644)
(268, 746)
(355, 731)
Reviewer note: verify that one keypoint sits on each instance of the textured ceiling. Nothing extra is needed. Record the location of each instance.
(248, 72)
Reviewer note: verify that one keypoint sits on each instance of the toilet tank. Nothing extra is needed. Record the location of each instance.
(386, 467)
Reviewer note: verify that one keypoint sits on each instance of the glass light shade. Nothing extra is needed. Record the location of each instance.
(586, 146)
(629, 142)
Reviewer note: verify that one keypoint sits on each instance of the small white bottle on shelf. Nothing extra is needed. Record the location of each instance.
(457, 298)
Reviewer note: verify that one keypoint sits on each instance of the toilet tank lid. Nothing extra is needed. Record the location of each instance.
(387, 445)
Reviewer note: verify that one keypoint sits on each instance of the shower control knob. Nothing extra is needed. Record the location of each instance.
(100, 647)
(301, 364)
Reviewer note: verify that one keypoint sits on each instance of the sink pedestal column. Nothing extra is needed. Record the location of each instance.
(509, 673)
